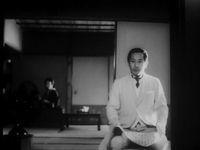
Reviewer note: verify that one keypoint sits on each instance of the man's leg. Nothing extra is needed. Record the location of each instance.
(162, 144)
(114, 139)
(104, 145)
(119, 142)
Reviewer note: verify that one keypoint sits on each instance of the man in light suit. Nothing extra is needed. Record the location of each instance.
(137, 110)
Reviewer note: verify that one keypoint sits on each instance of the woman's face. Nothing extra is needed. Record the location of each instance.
(49, 85)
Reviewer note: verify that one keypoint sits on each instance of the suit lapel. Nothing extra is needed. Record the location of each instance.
(142, 91)
(132, 86)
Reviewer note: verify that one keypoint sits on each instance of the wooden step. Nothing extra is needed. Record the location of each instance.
(66, 141)
(64, 147)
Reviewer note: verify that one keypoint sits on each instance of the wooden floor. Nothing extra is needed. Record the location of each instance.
(72, 138)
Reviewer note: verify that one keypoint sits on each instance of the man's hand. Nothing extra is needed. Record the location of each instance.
(159, 129)
(114, 122)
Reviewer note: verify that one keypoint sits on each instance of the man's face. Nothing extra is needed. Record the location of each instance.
(137, 64)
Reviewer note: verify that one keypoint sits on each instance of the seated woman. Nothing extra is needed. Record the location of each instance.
(51, 97)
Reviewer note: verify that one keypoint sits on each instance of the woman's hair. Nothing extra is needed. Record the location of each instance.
(137, 50)
(50, 80)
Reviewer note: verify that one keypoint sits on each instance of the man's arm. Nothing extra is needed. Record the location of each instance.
(113, 105)
(161, 109)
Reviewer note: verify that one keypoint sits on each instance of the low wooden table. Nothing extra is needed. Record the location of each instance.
(67, 116)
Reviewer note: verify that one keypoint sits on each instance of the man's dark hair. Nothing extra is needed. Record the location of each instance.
(137, 50)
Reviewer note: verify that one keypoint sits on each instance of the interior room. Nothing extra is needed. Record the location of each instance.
(83, 47)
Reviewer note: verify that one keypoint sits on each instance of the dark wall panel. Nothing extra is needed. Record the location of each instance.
(64, 43)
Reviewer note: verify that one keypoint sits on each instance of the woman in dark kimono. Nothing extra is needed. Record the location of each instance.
(51, 96)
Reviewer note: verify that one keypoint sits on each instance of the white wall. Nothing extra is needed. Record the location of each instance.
(111, 72)
(90, 81)
(153, 37)
(12, 35)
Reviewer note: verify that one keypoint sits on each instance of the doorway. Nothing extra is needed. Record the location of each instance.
(90, 81)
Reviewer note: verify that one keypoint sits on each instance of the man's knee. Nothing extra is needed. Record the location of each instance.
(118, 142)
(163, 144)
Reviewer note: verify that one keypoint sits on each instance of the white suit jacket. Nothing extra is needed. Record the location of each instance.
(124, 106)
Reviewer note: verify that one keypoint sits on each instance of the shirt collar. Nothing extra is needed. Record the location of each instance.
(140, 76)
